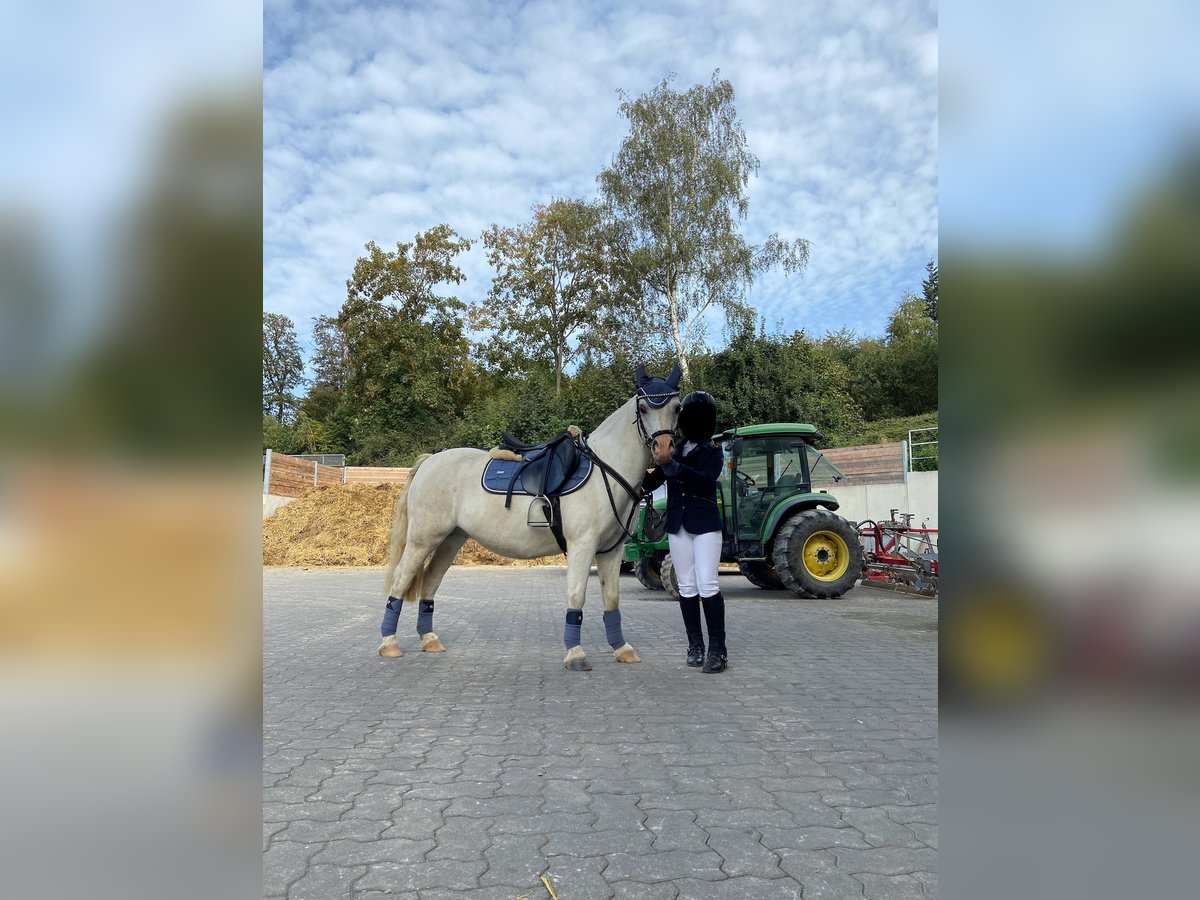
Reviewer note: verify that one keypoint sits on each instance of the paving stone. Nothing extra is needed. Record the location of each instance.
(926, 834)
(878, 829)
(417, 819)
(745, 888)
(676, 830)
(320, 810)
(887, 860)
(668, 865)
(577, 878)
(353, 853)
(615, 812)
(814, 837)
(461, 838)
(599, 843)
(309, 831)
(283, 863)
(637, 890)
(818, 871)
(514, 859)
(892, 887)
(399, 877)
(322, 882)
(469, 773)
(742, 853)
(809, 809)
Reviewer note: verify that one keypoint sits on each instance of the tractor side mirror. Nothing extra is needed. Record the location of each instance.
(735, 447)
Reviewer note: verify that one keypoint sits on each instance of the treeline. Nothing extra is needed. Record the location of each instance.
(402, 388)
(583, 292)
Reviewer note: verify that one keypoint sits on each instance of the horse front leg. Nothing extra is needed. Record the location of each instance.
(609, 567)
(579, 566)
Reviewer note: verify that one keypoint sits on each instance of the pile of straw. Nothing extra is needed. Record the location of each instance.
(350, 525)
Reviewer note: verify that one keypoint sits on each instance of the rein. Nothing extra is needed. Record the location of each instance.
(634, 494)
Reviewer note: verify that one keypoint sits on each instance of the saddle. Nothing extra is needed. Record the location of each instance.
(544, 471)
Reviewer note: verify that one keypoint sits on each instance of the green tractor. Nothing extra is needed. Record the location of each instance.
(782, 534)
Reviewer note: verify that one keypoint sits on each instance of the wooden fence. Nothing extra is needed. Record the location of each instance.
(872, 464)
(287, 476)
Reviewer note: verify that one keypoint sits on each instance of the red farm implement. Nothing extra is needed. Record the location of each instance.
(896, 555)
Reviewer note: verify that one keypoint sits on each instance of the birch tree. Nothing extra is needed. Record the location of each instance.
(677, 186)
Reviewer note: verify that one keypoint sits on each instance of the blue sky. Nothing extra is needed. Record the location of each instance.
(381, 121)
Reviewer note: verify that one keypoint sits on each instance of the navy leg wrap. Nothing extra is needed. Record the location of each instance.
(612, 628)
(391, 616)
(571, 630)
(425, 617)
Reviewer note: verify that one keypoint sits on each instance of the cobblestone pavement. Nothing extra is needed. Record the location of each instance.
(808, 769)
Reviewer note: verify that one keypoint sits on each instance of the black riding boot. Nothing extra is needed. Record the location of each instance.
(714, 617)
(690, 607)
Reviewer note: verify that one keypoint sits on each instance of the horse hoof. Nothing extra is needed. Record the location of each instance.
(431, 644)
(627, 654)
(577, 665)
(389, 649)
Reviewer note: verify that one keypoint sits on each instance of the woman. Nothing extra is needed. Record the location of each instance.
(694, 527)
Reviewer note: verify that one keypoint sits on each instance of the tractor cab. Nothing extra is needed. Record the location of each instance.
(766, 466)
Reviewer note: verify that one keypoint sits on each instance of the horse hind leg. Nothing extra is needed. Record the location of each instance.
(406, 584)
(431, 580)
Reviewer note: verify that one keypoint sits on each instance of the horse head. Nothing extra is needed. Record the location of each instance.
(658, 408)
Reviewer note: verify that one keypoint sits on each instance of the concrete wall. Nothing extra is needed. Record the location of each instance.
(919, 495)
(272, 502)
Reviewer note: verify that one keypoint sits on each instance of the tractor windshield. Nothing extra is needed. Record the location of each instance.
(768, 469)
(821, 470)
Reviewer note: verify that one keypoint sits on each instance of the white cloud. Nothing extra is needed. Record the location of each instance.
(382, 123)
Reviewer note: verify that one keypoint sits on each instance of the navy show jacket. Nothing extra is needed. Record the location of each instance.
(691, 488)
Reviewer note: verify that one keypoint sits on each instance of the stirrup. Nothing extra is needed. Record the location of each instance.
(546, 510)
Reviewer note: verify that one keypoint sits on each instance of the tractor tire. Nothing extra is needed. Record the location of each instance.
(818, 555)
(761, 575)
(670, 582)
(649, 572)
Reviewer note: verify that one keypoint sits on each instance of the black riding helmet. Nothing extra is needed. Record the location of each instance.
(698, 417)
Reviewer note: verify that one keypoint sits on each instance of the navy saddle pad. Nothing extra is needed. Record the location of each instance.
(499, 473)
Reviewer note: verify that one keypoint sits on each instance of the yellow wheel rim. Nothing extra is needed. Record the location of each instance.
(826, 556)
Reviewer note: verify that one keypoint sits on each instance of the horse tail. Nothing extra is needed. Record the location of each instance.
(400, 534)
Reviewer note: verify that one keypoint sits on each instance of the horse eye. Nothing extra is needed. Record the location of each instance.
(678, 407)
(641, 407)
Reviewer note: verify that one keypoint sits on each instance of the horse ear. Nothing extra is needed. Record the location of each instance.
(676, 374)
(640, 375)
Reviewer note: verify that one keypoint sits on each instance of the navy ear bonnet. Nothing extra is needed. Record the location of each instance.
(657, 391)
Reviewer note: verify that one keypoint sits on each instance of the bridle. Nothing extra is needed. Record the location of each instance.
(657, 401)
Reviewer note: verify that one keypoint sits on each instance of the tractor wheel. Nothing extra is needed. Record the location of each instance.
(670, 582)
(818, 554)
(649, 572)
(761, 575)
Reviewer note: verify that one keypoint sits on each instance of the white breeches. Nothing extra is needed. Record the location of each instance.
(695, 557)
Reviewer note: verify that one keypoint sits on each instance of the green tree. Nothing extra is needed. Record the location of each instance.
(408, 369)
(898, 376)
(772, 378)
(283, 366)
(929, 289)
(330, 359)
(553, 278)
(677, 187)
